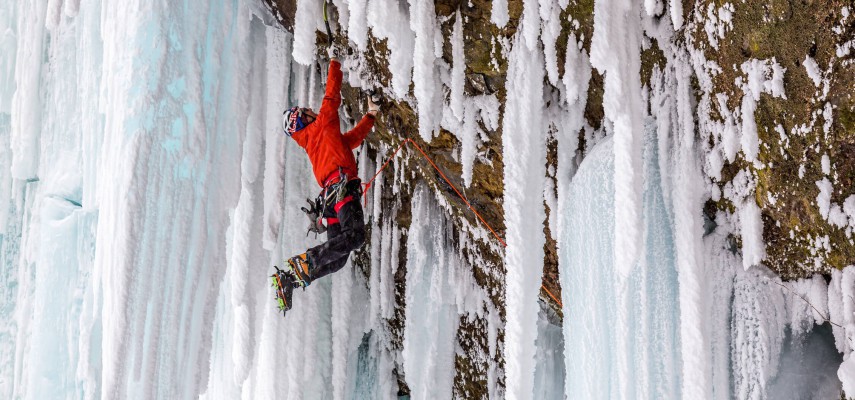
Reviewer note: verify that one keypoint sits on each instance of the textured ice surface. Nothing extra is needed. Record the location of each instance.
(647, 340)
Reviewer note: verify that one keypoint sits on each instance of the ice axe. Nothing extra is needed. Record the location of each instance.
(329, 36)
(327, 24)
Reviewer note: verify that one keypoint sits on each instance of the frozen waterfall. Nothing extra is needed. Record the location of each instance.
(146, 191)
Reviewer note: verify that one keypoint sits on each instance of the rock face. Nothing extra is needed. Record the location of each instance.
(800, 169)
(812, 121)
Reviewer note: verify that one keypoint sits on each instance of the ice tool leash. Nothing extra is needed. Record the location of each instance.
(401, 146)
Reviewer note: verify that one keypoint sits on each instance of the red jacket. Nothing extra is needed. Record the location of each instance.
(327, 148)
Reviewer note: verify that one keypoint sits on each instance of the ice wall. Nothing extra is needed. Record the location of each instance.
(594, 347)
(431, 324)
(549, 370)
(140, 150)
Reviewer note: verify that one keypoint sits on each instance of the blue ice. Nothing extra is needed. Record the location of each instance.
(595, 300)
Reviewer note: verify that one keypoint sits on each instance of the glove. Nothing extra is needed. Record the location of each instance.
(333, 52)
(372, 106)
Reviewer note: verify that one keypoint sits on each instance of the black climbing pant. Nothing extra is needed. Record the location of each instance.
(342, 237)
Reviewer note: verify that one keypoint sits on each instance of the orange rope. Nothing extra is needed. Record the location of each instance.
(551, 295)
(368, 185)
(405, 141)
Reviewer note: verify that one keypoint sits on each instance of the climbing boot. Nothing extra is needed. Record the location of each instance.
(299, 266)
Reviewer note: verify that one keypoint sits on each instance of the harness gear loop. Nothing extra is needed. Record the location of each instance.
(496, 235)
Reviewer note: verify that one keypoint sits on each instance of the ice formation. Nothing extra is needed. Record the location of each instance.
(523, 139)
(147, 190)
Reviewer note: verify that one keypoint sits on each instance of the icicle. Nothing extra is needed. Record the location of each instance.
(426, 82)
(458, 69)
(357, 29)
(308, 19)
(524, 140)
(275, 140)
(385, 20)
(615, 50)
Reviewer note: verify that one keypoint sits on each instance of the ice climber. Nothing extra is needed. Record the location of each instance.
(335, 168)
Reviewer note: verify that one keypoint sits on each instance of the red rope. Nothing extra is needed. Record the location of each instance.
(401, 146)
(368, 185)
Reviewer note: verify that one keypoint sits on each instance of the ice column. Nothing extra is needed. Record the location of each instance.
(523, 138)
(431, 315)
(615, 51)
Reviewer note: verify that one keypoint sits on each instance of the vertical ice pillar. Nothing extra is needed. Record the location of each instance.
(615, 51)
(51, 361)
(27, 104)
(587, 272)
(687, 197)
(523, 138)
(549, 374)
(8, 45)
(277, 85)
(431, 313)
(640, 360)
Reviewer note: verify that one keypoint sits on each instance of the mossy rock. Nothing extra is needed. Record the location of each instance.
(788, 31)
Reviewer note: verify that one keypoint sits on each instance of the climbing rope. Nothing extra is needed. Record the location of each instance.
(401, 146)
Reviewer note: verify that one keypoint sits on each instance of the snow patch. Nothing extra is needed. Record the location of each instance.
(718, 22)
(753, 246)
(823, 199)
(762, 76)
(826, 164)
(813, 71)
(499, 13)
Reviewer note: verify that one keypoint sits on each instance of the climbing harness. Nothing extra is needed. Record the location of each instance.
(496, 235)
(335, 193)
(335, 187)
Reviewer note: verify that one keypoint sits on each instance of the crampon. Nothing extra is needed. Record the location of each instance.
(282, 283)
